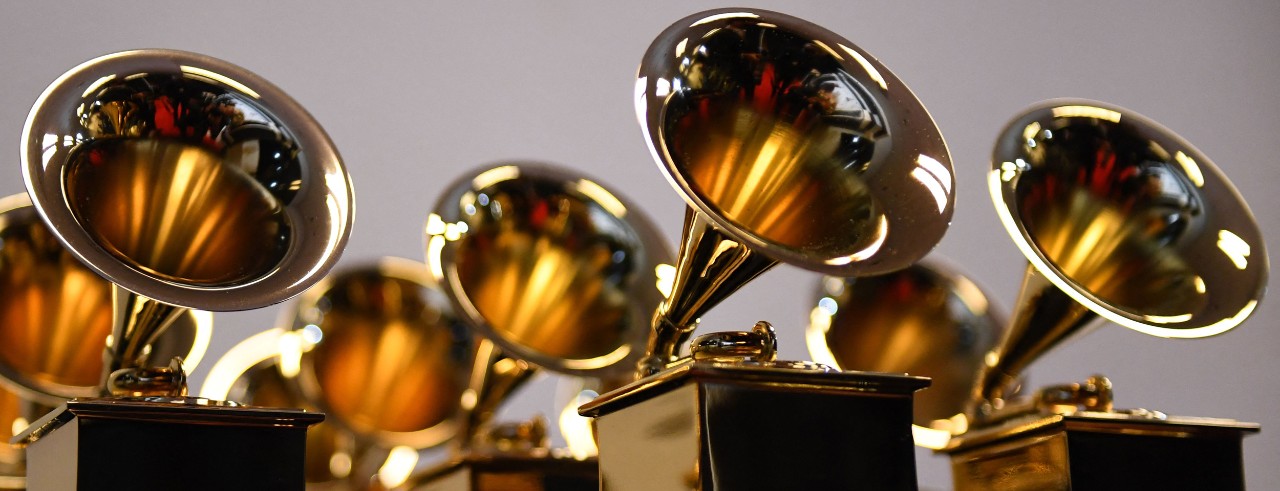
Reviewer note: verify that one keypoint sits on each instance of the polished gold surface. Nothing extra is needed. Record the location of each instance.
(12, 417)
(531, 283)
(790, 144)
(772, 175)
(187, 182)
(56, 315)
(549, 265)
(177, 210)
(387, 357)
(925, 320)
(176, 175)
(1123, 220)
(50, 304)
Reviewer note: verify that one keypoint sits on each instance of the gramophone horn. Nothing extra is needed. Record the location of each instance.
(789, 144)
(1121, 220)
(925, 320)
(186, 181)
(552, 269)
(250, 373)
(383, 354)
(55, 315)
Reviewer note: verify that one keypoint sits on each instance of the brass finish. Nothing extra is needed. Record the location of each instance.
(758, 345)
(790, 144)
(1121, 220)
(56, 316)
(391, 360)
(1100, 450)
(549, 265)
(190, 183)
(926, 320)
(494, 377)
(728, 426)
(553, 271)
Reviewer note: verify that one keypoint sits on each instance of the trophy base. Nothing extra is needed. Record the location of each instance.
(735, 426)
(1090, 450)
(512, 472)
(180, 443)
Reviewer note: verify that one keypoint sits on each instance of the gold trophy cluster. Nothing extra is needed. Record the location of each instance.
(164, 185)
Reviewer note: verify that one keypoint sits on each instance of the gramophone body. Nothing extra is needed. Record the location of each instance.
(1101, 450)
(187, 182)
(789, 144)
(1120, 219)
(553, 271)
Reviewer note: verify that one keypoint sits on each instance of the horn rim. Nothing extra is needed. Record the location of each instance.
(325, 203)
(307, 380)
(53, 393)
(1215, 181)
(441, 257)
(912, 231)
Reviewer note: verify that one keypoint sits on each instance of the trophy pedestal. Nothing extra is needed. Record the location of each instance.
(713, 426)
(1091, 450)
(112, 444)
(511, 473)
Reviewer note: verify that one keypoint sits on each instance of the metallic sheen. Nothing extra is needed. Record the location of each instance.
(926, 320)
(391, 360)
(190, 183)
(1120, 219)
(549, 265)
(176, 175)
(56, 315)
(790, 144)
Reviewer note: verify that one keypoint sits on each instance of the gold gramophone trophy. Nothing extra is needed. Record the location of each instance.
(789, 144)
(50, 307)
(927, 320)
(1124, 221)
(188, 183)
(379, 350)
(554, 272)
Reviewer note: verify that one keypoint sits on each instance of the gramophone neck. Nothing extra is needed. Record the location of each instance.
(1044, 317)
(711, 266)
(138, 322)
(494, 376)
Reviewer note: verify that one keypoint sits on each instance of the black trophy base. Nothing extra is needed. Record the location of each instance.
(112, 444)
(711, 426)
(512, 472)
(1101, 451)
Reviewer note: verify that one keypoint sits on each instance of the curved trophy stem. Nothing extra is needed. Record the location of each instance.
(1044, 316)
(711, 267)
(138, 321)
(494, 376)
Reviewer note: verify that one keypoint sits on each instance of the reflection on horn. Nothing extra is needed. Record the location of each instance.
(553, 271)
(790, 145)
(382, 354)
(55, 318)
(924, 320)
(1121, 220)
(187, 182)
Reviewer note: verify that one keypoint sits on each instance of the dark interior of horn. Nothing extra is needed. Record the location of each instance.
(392, 360)
(773, 135)
(552, 267)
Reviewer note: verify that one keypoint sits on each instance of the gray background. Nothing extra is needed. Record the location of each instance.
(416, 94)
